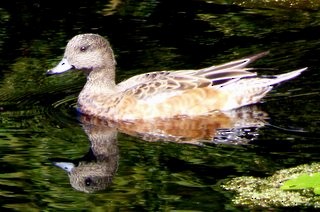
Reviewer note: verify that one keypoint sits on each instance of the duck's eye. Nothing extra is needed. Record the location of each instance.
(88, 181)
(83, 48)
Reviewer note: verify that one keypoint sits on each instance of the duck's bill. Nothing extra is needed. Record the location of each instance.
(63, 66)
(67, 166)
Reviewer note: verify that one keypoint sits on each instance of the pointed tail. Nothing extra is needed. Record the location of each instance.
(287, 76)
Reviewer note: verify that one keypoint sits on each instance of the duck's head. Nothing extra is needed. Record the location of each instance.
(89, 177)
(86, 52)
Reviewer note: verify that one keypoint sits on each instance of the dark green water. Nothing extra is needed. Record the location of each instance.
(38, 121)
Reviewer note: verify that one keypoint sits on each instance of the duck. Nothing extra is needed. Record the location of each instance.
(161, 94)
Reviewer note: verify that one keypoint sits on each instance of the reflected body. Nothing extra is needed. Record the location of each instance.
(164, 94)
(228, 127)
(94, 171)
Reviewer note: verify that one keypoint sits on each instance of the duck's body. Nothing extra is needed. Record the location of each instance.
(164, 94)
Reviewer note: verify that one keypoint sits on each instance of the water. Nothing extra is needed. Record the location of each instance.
(39, 125)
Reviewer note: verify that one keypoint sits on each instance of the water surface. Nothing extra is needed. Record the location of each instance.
(39, 124)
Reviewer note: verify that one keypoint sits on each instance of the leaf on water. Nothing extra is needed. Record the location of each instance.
(304, 181)
(316, 190)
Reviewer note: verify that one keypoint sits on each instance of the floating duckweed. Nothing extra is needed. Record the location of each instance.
(267, 192)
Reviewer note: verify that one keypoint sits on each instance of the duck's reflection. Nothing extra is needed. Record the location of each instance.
(232, 127)
(95, 170)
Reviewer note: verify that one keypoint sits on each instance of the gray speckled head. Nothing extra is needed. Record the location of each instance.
(86, 52)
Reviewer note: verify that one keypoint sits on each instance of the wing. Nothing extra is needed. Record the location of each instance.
(170, 83)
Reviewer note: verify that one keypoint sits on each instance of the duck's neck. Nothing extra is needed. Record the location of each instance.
(99, 89)
(101, 81)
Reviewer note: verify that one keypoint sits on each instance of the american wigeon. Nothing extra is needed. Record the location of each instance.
(163, 94)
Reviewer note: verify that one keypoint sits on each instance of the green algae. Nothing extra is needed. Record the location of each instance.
(272, 191)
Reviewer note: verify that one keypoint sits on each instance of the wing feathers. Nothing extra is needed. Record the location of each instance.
(155, 83)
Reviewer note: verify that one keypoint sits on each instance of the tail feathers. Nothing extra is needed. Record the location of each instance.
(233, 65)
(283, 77)
(242, 63)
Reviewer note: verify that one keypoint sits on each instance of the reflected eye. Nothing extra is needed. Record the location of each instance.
(83, 48)
(88, 181)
